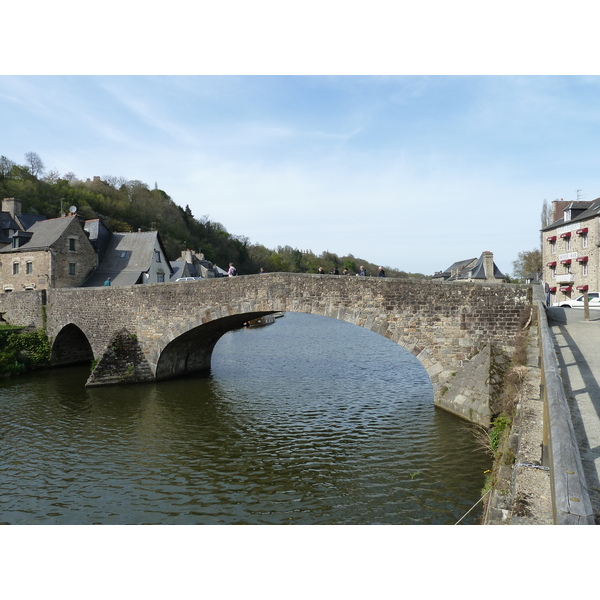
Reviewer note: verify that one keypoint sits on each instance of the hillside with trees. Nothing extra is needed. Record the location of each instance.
(130, 205)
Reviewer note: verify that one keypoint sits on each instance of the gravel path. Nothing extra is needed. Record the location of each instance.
(577, 350)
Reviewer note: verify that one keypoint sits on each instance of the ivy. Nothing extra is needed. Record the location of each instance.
(20, 352)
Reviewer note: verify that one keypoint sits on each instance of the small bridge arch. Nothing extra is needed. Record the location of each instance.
(70, 346)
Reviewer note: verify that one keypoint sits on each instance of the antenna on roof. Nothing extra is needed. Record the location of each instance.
(578, 195)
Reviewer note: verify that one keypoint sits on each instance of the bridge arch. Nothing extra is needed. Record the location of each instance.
(70, 347)
(188, 349)
(191, 350)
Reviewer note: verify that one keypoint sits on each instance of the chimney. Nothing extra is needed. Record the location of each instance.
(12, 206)
(488, 264)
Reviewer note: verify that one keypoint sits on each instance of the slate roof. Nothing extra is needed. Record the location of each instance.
(458, 266)
(27, 220)
(179, 269)
(6, 223)
(127, 257)
(99, 236)
(477, 271)
(470, 268)
(592, 210)
(43, 234)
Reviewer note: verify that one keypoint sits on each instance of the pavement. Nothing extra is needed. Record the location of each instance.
(577, 344)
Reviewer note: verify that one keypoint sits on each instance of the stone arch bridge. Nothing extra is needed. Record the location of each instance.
(153, 332)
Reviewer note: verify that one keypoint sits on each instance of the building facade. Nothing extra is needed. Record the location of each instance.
(570, 249)
(53, 253)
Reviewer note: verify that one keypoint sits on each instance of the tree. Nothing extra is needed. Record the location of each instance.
(527, 263)
(36, 166)
(546, 214)
(5, 166)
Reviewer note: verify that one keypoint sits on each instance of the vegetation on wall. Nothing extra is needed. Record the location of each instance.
(129, 205)
(20, 352)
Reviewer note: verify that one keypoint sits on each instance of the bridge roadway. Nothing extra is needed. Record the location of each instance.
(152, 332)
(576, 345)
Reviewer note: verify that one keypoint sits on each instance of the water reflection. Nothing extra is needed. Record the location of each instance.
(305, 421)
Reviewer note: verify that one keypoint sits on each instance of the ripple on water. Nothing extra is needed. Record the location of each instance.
(306, 421)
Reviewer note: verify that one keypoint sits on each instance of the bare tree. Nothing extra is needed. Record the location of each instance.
(36, 166)
(546, 214)
(52, 176)
(5, 165)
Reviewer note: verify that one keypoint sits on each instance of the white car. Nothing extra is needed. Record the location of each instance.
(593, 301)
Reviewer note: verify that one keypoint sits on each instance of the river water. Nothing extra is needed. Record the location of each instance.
(306, 421)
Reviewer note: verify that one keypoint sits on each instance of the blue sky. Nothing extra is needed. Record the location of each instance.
(413, 172)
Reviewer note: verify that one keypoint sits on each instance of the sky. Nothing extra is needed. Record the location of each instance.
(409, 136)
(412, 172)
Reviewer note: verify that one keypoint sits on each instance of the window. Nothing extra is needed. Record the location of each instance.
(584, 268)
(157, 255)
(553, 246)
(160, 277)
(29, 267)
(15, 268)
(71, 268)
(568, 244)
(584, 240)
(72, 244)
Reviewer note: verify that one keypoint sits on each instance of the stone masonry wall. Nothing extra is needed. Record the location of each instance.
(24, 308)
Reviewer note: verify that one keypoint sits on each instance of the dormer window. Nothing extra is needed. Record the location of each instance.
(72, 244)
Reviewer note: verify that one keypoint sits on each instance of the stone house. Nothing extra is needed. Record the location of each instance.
(51, 253)
(193, 264)
(482, 269)
(40, 253)
(131, 258)
(570, 249)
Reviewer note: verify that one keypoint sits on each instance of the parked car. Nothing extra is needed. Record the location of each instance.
(593, 300)
(188, 278)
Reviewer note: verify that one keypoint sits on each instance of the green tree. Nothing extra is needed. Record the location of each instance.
(527, 263)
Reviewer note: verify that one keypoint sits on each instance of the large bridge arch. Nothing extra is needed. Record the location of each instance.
(187, 347)
(191, 350)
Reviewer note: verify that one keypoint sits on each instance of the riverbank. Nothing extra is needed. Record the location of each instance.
(522, 492)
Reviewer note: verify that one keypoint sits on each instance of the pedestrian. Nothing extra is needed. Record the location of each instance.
(381, 272)
(362, 272)
(261, 271)
(232, 271)
(321, 271)
(107, 282)
(335, 271)
(346, 272)
(547, 290)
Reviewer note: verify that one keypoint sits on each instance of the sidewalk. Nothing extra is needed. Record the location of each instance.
(577, 344)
